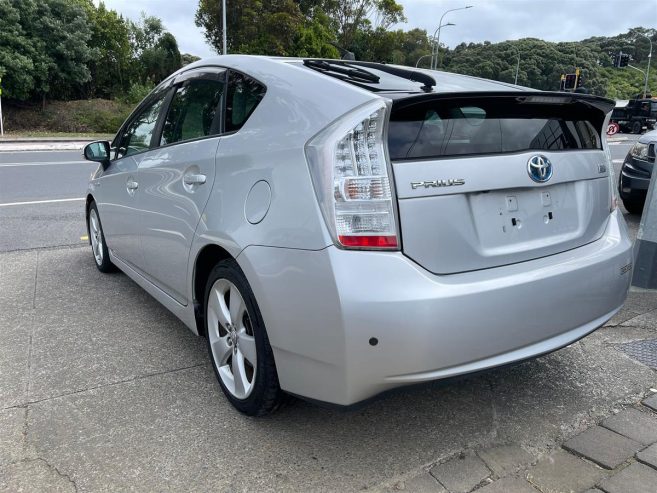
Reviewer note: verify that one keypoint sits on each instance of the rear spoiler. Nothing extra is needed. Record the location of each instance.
(525, 97)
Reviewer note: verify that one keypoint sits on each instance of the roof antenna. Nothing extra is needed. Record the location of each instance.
(345, 54)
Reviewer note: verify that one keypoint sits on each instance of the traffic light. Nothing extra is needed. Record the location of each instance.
(621, 59)
(624, 59)
(570, 81)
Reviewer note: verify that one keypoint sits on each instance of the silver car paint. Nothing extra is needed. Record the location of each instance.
(471, 224)
(428, 326)
(170, 208)
(321, 304)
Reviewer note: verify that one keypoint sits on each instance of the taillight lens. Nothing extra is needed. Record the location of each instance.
(352, 177)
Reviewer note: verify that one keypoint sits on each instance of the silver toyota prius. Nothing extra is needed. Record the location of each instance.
(337, 228)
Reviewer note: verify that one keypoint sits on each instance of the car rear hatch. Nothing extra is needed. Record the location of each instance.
(485, 180)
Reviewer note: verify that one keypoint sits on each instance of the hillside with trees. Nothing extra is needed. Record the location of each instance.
(56, 51)
(315, 28)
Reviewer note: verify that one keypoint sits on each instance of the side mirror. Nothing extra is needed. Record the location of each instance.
(98, 152)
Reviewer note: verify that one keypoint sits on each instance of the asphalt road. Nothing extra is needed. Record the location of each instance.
(41, 196)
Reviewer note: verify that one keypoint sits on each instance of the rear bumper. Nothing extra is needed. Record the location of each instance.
(323, 308)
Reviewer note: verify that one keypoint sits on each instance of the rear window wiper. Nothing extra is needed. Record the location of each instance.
(413, 75)
(342, 71)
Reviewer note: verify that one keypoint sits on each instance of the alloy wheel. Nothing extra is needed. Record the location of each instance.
(96, 237)
(230, 334)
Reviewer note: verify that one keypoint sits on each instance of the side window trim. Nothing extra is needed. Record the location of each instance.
(164, 111)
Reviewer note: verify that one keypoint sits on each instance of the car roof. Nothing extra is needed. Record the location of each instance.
(388, 83)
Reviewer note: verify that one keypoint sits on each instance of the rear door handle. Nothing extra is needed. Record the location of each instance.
(194, 179)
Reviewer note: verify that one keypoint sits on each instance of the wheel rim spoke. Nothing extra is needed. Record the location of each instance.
(237, 306)
(217, 305)
(248, 348)
(222, 350)
(239, 374)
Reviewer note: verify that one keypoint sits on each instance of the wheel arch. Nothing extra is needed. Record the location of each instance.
(90, 199)
(206, 259)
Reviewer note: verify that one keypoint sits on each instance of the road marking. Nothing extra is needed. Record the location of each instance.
(44, 163)
(84, 238)
(32, 202)
(617, 161)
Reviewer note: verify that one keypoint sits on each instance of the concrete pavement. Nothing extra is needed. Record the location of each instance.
(101, 389)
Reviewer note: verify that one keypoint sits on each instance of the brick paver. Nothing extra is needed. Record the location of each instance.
(635, 478)
(602, 446)
(422, 483)
(562, 471)
(508, 485)
(648, 456)
(461, 474)
(651, 402)
(505, 459)
(632, 423)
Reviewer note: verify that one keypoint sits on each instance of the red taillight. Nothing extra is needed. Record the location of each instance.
(369, 241)
(352, 175)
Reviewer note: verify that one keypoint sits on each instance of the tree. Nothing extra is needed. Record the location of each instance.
(186, 59)
(17, 51)
(355, 15)
(59, 32)
(155, 51)
(254, 26)
(110, 63)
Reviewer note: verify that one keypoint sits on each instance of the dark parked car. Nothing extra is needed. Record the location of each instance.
(636, 171)
(637, 114)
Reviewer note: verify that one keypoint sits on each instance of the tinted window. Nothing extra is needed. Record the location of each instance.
(195, 111)
(496, 125)
(137, 135)
(244, 94)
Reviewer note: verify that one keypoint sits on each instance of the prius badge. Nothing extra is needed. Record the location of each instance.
(452, 182)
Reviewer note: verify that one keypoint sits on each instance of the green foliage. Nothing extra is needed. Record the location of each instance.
(94, 115)
(186, 59)
(136, 93)
(294, 28)
(155, 50)
(67, 49)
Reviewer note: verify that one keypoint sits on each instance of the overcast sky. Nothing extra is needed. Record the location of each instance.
(492, 20)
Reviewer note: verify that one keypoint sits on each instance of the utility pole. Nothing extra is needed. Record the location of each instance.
(645, 248)
(434, 63)
(517, 65)
(645, 84)
(223, 28)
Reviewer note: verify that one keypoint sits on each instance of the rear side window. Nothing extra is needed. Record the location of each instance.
(462, 126)
(195, 111)
(244, 94)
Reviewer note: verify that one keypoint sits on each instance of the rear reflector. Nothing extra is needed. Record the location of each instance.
(369, 241)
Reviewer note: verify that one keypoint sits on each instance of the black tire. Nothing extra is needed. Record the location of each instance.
(103, 263)
(637, 127)
(634, 206)
(265, 395)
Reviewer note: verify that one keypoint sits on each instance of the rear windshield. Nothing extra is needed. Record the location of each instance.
(466, 126)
